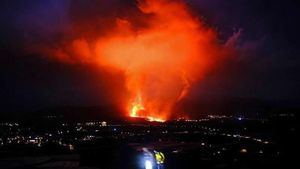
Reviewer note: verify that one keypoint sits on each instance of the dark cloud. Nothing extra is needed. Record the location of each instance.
(268, 59)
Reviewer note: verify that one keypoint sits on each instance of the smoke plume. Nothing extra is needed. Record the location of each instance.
(162, 49)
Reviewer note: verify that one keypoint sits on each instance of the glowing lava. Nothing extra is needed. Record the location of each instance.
(137, 109)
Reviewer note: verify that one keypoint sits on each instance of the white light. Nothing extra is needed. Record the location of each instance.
(148, 164)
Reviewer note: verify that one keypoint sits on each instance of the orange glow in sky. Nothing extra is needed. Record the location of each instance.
(160, 59)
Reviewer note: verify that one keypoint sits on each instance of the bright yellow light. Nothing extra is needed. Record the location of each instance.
(137, 107)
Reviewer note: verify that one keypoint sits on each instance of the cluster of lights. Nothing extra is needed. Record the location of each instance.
(101, 124)
(246, 137)
(9, 124)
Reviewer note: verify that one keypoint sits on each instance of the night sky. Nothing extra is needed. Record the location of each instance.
(265, 68)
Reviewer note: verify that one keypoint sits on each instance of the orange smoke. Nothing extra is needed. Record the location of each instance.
(160, 59)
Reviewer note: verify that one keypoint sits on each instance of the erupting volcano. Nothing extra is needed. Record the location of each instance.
(160, 58)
